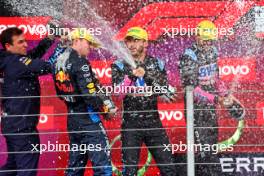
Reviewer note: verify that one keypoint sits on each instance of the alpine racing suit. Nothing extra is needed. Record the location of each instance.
(141, 122)
(80, 83)
(20, 108)
(199, 69)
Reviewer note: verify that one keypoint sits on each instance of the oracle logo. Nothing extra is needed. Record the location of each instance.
(171, 115)
(235, 70)
(241, 69)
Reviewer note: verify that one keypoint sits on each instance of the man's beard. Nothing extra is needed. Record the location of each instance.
(138, 53)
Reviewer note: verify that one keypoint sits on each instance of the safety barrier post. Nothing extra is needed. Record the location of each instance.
(190, 131)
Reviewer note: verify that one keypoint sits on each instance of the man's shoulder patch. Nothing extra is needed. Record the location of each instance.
(191, 54)
(215, 51)
(25, 60)
(119, 64)
(161, 64)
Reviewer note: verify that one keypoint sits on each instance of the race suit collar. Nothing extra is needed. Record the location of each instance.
(75, 53)
(140, 63)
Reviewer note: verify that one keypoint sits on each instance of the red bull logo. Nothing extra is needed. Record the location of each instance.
(61, 77)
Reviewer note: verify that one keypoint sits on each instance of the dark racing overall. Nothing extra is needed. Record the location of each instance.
(21, 106)
(199, 69)
(76, 84)
(141, 122)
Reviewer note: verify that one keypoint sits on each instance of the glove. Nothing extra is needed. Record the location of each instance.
(234, 107)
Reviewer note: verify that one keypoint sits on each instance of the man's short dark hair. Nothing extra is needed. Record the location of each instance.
(7, 34)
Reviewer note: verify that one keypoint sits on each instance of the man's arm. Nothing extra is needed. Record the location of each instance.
(3, 54)
(41, 49)
(36, 66)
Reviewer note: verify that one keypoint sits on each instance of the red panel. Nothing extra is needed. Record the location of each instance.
(171, 10)
(102, 70)
(232, 13)
(237, 69)
(33, 27)
(172, 114)
(152, 16)
(260, 113)
(46, 119)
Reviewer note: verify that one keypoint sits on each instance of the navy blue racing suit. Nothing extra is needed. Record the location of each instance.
(20, 109)
(77, 85)
(145, 126)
